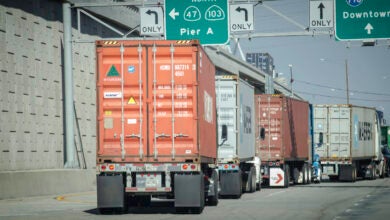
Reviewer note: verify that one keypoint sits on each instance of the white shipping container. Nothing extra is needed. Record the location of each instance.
(235, 107)
(349, 132)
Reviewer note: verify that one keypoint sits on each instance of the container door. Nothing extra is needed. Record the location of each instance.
(172, 96)
(321, 131)
(339, 127)
(226, 92)
(270, 114)
(121, 111)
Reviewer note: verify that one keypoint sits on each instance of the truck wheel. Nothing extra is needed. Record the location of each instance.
(304, 174)
(374, 175)
(309, 174)
(213, 200)
(258, 186)
(383, 170)
(354, 173)
(286, 176)
(296, 175)
(252, 180)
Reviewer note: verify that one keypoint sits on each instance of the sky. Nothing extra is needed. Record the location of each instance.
(318, 62)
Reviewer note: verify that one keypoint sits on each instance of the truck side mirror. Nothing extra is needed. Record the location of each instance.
(262, 133)
(224, 135)
(321, 139)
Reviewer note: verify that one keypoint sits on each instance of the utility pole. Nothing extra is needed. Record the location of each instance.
(346, 79)
(291, 80)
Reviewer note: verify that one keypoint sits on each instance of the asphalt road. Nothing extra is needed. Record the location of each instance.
(360, 200)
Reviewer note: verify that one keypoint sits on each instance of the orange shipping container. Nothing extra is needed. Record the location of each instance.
(286, 134)
(283, 144)
(155, 102)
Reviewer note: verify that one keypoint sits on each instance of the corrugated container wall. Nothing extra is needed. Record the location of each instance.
(348, 132)
(285, 125)
(165, 107)
(235, 110)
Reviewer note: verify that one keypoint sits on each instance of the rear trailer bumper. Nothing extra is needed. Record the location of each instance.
(146, 178)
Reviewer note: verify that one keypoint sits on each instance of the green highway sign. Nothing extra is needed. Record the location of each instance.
(362, 19)
(205, 20)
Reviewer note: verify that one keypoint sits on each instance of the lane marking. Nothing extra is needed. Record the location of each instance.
(275, 193)
(68, 198)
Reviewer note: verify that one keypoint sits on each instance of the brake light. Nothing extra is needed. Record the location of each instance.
(103, 167)
(193, 166)
(233, 166)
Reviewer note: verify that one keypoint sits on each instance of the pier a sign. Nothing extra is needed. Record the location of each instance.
(205, 20)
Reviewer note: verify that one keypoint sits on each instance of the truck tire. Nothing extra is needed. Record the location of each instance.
(309, 174)
(213, 200)
(304, 174)
(296, 174)
(286, 176)
(258, 186)
(252, 180)
(383, 170)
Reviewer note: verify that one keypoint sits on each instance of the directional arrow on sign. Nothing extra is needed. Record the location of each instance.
(239, 9)
(321, 7)
(280, 178)
(173, 14)
(149, 12)
(369, 27)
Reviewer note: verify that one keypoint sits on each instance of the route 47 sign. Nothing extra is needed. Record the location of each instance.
(204, 20)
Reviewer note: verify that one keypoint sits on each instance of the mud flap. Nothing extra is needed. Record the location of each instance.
(230, 183)
(277, 177)
(189, 190)
(110, 192)
(346, 173)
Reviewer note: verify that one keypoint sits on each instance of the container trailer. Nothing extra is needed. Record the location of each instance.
(348, 141)
(283, 140)
(156, 124)
(385, 140)
(237, 163)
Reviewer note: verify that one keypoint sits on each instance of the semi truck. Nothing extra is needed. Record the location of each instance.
(347, 138)
(237, 163)
(385, 140)
(283, 140)
(156, 124)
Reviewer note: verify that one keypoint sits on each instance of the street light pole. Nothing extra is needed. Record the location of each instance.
(291, 80)
(346, 79)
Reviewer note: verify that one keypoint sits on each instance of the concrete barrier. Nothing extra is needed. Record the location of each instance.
(45, 182)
